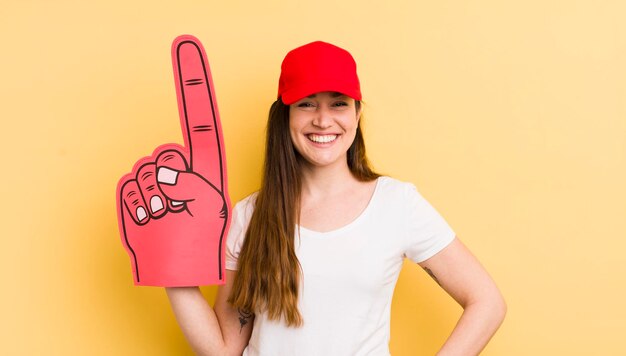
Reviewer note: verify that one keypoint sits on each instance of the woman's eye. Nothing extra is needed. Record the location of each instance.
(305, 105)
(341, 103)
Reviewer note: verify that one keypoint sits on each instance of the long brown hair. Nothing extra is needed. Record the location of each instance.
(269, 270)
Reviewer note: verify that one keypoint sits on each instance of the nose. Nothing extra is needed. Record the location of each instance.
(323, 117)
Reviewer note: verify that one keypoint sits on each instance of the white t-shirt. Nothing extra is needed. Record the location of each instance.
(349, 274)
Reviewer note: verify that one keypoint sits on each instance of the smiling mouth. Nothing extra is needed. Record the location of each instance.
(321, 138)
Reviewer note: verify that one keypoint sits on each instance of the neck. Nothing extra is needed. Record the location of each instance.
(326, 180)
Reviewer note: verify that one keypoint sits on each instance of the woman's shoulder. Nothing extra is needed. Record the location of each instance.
(245, 206)
(248, 200)
(395, 191)
(390, 185)
(392, 192)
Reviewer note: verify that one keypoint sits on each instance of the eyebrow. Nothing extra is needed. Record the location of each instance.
(334, 94)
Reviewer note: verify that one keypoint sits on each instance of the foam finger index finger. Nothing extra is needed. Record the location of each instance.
(198, 111)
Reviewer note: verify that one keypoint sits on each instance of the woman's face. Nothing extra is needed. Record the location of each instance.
(323, 127)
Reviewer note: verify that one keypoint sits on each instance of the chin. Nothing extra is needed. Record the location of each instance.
(322, 163)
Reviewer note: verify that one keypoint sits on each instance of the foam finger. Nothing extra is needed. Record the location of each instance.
(198, 109)
(134, 203)
(173, 160)
(146, 179)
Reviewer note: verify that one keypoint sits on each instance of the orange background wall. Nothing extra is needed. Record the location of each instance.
(510, 117)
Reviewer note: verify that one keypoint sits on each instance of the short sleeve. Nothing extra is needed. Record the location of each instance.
(427, 231)
(242, 213)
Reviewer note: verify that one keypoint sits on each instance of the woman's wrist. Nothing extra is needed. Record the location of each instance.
(181, 291)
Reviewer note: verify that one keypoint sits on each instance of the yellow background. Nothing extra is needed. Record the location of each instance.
(509, 116)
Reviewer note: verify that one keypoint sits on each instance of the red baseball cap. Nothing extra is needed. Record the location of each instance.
(317, 67)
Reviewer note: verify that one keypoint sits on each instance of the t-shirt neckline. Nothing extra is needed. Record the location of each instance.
(355, 222)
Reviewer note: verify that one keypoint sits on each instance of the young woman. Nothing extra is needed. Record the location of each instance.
(314, 255)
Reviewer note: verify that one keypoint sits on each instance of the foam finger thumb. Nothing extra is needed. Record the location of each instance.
(182, 186)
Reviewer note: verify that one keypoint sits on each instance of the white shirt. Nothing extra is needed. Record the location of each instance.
(349, 274)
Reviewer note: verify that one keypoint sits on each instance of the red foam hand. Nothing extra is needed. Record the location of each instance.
(173, 208)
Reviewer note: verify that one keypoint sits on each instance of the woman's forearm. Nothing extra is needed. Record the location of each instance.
(478, 323)
(197, 320)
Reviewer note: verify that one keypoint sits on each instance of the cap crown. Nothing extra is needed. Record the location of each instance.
(316, 67)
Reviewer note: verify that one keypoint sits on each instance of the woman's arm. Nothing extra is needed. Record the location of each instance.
(460, 274)
(221, 330)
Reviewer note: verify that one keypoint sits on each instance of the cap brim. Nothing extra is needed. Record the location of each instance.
(291, 96)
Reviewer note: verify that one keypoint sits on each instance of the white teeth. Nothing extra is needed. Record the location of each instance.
(322, 138)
